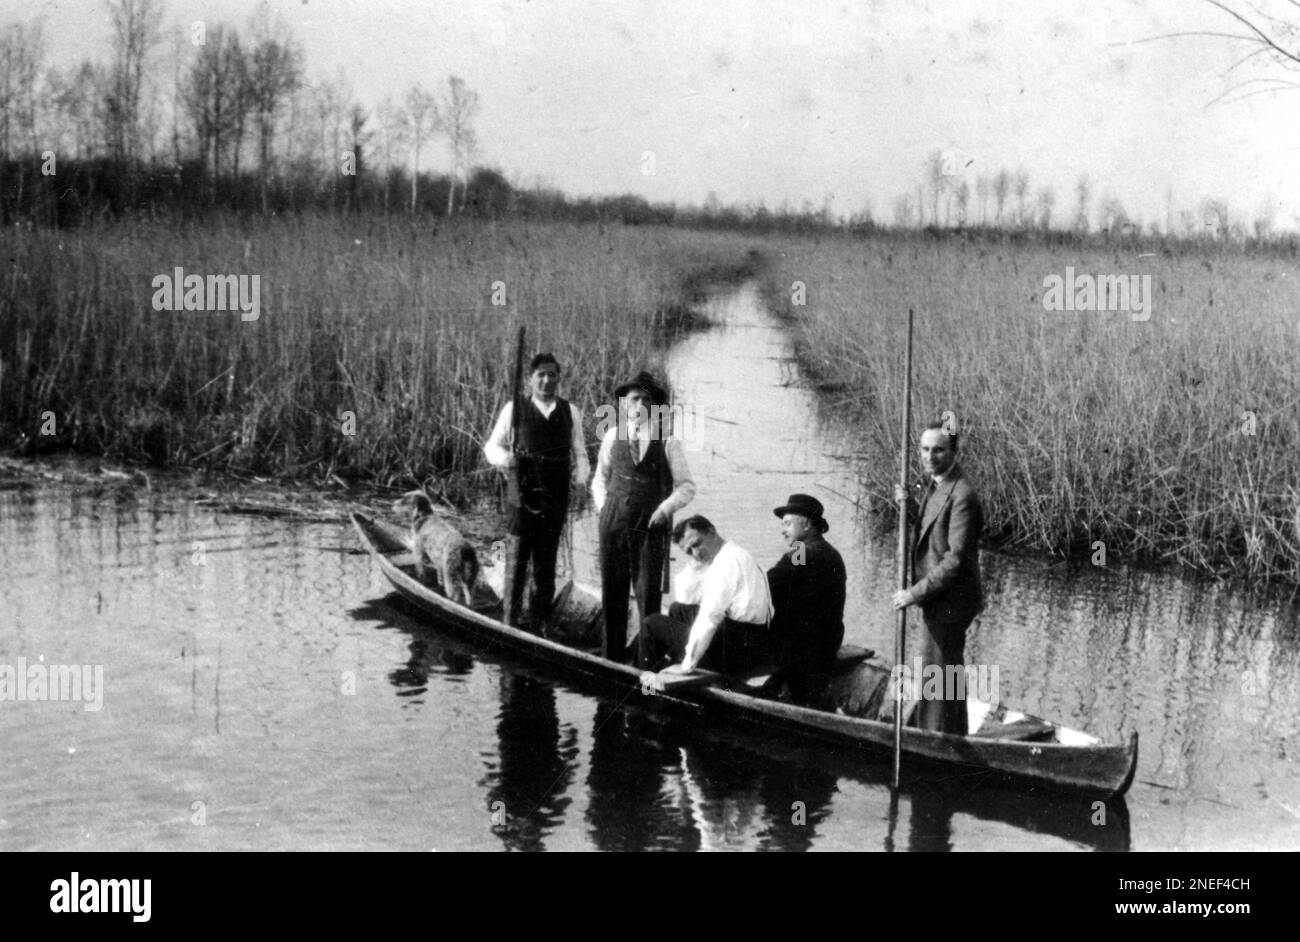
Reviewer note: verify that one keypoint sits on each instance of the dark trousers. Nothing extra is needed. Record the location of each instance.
(537, 542)
(629, 549)
(943, 644)
(736, 645)
(808, 664)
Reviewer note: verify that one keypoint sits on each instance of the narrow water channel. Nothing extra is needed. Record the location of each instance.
(261, 689)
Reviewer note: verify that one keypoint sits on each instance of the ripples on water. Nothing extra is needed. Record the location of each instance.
(275, 696)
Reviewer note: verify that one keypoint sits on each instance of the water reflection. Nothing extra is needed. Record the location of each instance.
(429, 654)
(655, 786)
(629, 806)
(527, 782)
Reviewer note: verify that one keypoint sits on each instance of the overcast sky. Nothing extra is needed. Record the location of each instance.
(786, 101)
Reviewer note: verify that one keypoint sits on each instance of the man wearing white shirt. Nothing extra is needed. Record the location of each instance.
(552, 464)
(641, 480)
(728, 627)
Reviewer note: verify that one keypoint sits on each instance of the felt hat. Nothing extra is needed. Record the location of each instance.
(645, 381)
(805, 506)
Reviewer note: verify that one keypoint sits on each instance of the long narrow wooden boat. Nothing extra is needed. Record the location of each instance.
(1008, 743)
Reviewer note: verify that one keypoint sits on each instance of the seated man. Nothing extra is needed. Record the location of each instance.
(727, 631)
(808, 589)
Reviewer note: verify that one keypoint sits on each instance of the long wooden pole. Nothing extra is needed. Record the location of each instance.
(900, 629)
(514, 503)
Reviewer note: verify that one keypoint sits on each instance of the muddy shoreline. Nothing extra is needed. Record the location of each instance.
(126, 484)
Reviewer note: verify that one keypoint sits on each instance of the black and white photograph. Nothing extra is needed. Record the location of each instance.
(552, 425)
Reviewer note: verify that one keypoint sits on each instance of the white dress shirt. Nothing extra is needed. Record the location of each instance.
(683, 487)
(497, 448)
(733, 586)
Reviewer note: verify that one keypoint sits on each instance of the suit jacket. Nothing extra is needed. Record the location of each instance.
(809, 601)
(945, 557)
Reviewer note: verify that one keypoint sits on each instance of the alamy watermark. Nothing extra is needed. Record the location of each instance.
(1131, 293)
(82, 895)
(664, 422)
(945, 682)
(72, 683)
(213, 293)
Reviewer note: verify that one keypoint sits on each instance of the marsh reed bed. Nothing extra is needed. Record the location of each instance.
(382, 350)
(1169, 440)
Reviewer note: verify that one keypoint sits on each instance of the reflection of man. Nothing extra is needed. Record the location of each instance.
(552, 461)
(641, 481)
(945, 570)
(808, 588)
(721, 620)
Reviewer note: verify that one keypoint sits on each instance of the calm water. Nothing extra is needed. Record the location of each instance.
(262, 690)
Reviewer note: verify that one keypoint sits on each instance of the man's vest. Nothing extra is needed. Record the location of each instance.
(637, 489)
(544, 451)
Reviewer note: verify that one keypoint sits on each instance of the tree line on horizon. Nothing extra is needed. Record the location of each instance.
(1003, 200)
(237, 125)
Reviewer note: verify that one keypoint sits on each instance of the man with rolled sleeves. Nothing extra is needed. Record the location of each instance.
(945, 572)
(641, 480)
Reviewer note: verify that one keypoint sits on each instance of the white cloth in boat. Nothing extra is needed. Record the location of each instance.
(497, 448)
(683, 487)
(731, 586)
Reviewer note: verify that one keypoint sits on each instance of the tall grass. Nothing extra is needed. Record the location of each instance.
(1079, 427)
(387, 322)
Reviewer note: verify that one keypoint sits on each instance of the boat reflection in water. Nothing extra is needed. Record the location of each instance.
(661, 782)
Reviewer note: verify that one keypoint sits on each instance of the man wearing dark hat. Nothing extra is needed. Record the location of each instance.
(552, 463)
(808, 589)
(641, 480)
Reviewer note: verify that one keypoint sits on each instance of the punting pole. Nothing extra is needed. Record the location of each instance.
(900, 629)
(514, 503)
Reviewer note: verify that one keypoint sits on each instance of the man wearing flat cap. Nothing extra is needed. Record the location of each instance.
(808, 589)
(641, 480)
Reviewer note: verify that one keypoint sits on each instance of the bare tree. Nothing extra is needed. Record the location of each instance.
(903, 212)
(1273, 39)
(937, 181)
(1114, 218)
(73, 100)
(420, 117)
(1214, 213)
(213, 94)
(22, 51)
(962, 196)
(1265, 219)
(135, 31)
(983, 187)
(273, 73)
(456, 114)
(1001, 187)
(359, 136)
(1046, 203)
(1020, 187)
(1083, 193)
(391, 138)
(329, 104)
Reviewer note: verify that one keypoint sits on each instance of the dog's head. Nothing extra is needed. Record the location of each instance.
(414, 503)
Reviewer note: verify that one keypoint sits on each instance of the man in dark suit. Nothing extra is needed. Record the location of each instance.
(945, 573)
(808, 588)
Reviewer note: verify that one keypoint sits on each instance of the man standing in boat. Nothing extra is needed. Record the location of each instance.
(808, 590)
(945, 571)
(641, 480)
(552, 465)
(721, 619)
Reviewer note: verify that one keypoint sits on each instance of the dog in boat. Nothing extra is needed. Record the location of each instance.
(438, 544)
